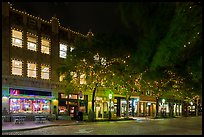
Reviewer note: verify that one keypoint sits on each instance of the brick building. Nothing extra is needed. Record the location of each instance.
(32, 49)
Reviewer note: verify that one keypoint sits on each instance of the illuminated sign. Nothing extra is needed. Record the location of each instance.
(14, 91)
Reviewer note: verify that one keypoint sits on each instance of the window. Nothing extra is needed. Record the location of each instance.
(16, 67)
(45, 46)
(17, 38)
(62, 95)
(31, 70)
(44, 72)
(31, 42)
(61, 78)
(25, 105)
(63, 51)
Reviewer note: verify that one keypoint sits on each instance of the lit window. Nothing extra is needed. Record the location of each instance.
(31, 70)
(45, 46)
(17, 38)
(44, 72)
(61, 78)
(63, 51)
(63, 95)
(16, 67)
(83, 79)
(32, 42)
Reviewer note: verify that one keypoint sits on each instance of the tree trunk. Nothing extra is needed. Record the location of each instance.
(93, 98)
(157, 106)
(127, 106)
(92, 105)
(196, 107)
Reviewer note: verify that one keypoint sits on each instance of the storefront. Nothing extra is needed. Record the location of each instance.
(27, 101)
(70, 105)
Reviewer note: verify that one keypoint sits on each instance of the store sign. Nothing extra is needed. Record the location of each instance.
(14, 92)
(149, 103)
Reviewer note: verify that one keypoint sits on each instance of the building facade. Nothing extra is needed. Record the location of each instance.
(32, 50)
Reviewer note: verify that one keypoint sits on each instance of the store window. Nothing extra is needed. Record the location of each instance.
(63, 51)
(72, 96)
(23, 105)
(45, 46)
(44, 72)
(17, 38)
(62, 95)
(32, 42)
(16, 67)
(31, 70)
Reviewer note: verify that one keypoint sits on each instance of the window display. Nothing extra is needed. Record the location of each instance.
(29, 106)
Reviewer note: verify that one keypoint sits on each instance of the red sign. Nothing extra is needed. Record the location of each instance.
(14, 91)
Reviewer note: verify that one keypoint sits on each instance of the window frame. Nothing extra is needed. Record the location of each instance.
(32, 70)
(63, 51)
(31, 42)
(13, 39)
(13, 68)
(45, 46)
(48, 73)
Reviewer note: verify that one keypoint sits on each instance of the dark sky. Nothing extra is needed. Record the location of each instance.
(79, 16)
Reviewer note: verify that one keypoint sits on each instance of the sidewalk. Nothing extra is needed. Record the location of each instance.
(28, 125)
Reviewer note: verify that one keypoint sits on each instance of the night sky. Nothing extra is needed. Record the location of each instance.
(100, 17)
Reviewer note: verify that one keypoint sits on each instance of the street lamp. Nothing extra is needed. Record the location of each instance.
(110, 97)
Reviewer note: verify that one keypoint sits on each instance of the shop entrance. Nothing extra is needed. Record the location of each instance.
(73, 111)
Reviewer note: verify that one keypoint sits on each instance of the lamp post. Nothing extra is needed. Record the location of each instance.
(110, 97)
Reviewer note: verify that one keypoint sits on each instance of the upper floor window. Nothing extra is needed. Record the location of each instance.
(44, 72)
(45, 46)
(63, 51)
(16, 67)
(32, 42)
(17, 38)
(31, 70)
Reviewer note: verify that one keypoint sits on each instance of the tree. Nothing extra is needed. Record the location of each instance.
(170, 39)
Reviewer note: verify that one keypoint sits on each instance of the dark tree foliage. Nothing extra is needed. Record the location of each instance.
(170, 39)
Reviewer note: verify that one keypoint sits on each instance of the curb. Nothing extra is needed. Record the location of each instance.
(42, 126)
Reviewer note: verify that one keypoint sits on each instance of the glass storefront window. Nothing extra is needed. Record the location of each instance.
(23, 105)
